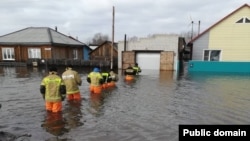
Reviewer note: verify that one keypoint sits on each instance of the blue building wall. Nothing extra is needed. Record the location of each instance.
(214, 66)
(86, 51)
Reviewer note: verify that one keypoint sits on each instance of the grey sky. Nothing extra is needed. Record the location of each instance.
(84, 18)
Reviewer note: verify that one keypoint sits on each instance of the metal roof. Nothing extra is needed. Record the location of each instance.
(38, 36)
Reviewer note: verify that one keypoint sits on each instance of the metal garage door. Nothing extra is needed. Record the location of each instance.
(149, 61)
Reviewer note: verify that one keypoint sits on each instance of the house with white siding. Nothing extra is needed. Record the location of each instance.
(225, 46)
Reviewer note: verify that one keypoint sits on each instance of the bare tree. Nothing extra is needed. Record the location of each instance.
(99, 38)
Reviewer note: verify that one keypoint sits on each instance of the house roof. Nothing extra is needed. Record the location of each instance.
(38, 36)
(198, 36)
(105, 42)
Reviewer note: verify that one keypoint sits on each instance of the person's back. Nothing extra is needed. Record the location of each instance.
(52, 85)
(72, 81)
(106, 79)
(137, 68)
(53, 90)
(113, 78)
(96, 80)
(129, 73)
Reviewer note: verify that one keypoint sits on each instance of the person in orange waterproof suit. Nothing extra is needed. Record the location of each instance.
(129, 73)
(72, 82)
(106, 79)
(113, 78)
(95, 80)
(53, 91)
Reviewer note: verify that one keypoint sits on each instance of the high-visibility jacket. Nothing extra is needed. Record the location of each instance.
(106, 77)
(95, 78)
(113, 76)
(52, 84)
(72, 80)
(137, 69)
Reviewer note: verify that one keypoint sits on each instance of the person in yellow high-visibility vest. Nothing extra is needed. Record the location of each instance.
(72, 82)
(53, 90)
(106, 78)
(95, 80)
(137, 69)
(113, 78)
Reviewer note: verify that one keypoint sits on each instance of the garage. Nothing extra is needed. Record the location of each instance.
(149, 61)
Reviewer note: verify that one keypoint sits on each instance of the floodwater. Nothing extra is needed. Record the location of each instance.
(148, 109)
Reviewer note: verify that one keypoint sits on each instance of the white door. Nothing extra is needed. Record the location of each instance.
(149, 61)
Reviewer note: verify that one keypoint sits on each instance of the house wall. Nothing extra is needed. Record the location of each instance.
(103, 52)
(216, 66)
(128, 58)
(166, 60)
(66, 52)
(46, 52)
(161, 42)
(21, 52)
(199, 45)
(232, 38)
(86, 51)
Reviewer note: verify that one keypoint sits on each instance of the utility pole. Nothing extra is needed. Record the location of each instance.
(199, 24)
(192, 30)
(112, 46)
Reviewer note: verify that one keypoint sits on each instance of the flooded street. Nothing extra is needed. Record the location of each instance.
(149, 109)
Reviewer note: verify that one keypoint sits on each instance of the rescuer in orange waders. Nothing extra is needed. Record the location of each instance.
(53, 90)
(96, 80)
(129, 73)
(72, 82)
(113, 78)
(106, 79)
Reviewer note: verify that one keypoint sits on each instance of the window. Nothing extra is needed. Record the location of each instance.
(34, 53)
(211, 55)
(247, 20)
(243, 20)
(75, 54)
(240, 21)
(8, 54)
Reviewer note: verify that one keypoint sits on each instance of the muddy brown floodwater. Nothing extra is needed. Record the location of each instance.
(149, 109)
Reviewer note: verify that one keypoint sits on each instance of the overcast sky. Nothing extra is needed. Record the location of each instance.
(84, 18)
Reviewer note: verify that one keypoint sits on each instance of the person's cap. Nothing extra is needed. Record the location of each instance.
(53, 68)
(96, 69)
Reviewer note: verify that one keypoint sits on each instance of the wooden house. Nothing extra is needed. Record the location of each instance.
(39, 44)
(225, 46)
(104, 52)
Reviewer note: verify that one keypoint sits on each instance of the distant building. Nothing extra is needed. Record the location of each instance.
(158, 52)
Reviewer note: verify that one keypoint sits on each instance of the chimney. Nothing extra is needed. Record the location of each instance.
(56, 28)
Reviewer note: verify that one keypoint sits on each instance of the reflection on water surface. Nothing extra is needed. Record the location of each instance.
(150, 108)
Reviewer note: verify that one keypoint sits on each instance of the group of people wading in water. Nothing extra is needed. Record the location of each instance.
(55, 89)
